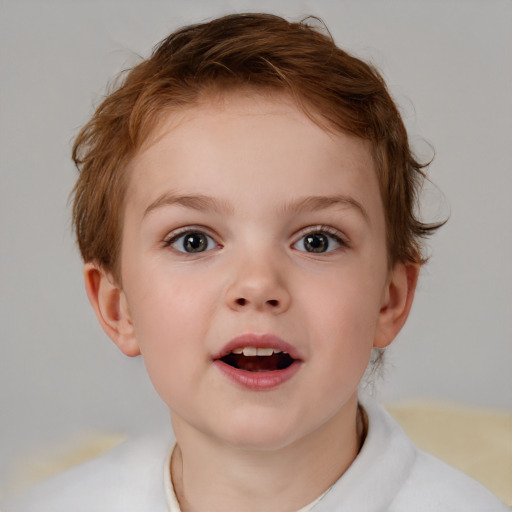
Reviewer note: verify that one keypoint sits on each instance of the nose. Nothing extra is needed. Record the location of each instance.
(258, 285)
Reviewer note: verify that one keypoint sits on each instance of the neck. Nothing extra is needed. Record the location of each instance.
(212, 475)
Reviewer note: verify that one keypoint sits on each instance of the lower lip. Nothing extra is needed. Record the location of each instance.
(258, 381)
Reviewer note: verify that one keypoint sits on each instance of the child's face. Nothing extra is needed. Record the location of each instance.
(245, 219)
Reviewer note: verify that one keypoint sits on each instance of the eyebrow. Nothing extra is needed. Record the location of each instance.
(313, 203)
(206, 203)
(194, 201)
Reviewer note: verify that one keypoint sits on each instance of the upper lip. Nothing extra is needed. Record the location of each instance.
(257, 341)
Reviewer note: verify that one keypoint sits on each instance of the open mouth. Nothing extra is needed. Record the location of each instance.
(253, 359)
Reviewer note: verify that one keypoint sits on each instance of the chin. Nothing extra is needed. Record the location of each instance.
(260, 433)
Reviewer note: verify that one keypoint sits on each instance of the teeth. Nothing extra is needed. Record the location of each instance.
(264, 351)
(253, 351)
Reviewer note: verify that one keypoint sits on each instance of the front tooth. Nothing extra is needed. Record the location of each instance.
(264, 351)
(250, 351)
(238, 351)
(277, 351)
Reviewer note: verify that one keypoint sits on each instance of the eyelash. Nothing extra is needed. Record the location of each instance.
(325, 230)
(173, 237)
(331, 232)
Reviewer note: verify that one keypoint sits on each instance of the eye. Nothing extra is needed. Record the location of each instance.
(319, 241)
(191, 242)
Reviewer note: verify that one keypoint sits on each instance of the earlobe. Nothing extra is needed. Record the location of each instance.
(109, 304)
(397, 302)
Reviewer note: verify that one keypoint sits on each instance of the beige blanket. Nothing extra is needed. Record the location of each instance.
(476, 440)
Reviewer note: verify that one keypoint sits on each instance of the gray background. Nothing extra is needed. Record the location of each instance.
(448, 64)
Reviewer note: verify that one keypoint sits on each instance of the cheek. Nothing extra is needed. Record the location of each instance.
(170, 320)
(342, 316)
(163, 298)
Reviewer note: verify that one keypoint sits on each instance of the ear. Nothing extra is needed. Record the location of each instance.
(397, 302)
(109, 303)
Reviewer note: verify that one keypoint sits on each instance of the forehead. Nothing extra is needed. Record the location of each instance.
(227, 142)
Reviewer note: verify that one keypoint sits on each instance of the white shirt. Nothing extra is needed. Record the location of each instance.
(388, 475)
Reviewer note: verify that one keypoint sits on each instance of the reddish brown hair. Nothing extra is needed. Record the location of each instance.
(258, 51)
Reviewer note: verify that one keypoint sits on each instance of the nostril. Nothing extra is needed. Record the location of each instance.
(273, 303)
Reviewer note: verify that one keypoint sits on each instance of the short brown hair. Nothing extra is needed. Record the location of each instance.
(258, 51)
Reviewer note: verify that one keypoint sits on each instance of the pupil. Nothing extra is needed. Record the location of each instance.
(316, 242)
(195, 242)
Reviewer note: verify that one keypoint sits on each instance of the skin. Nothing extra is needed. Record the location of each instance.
(257, 157)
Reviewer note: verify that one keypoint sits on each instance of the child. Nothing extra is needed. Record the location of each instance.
(246, 213)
